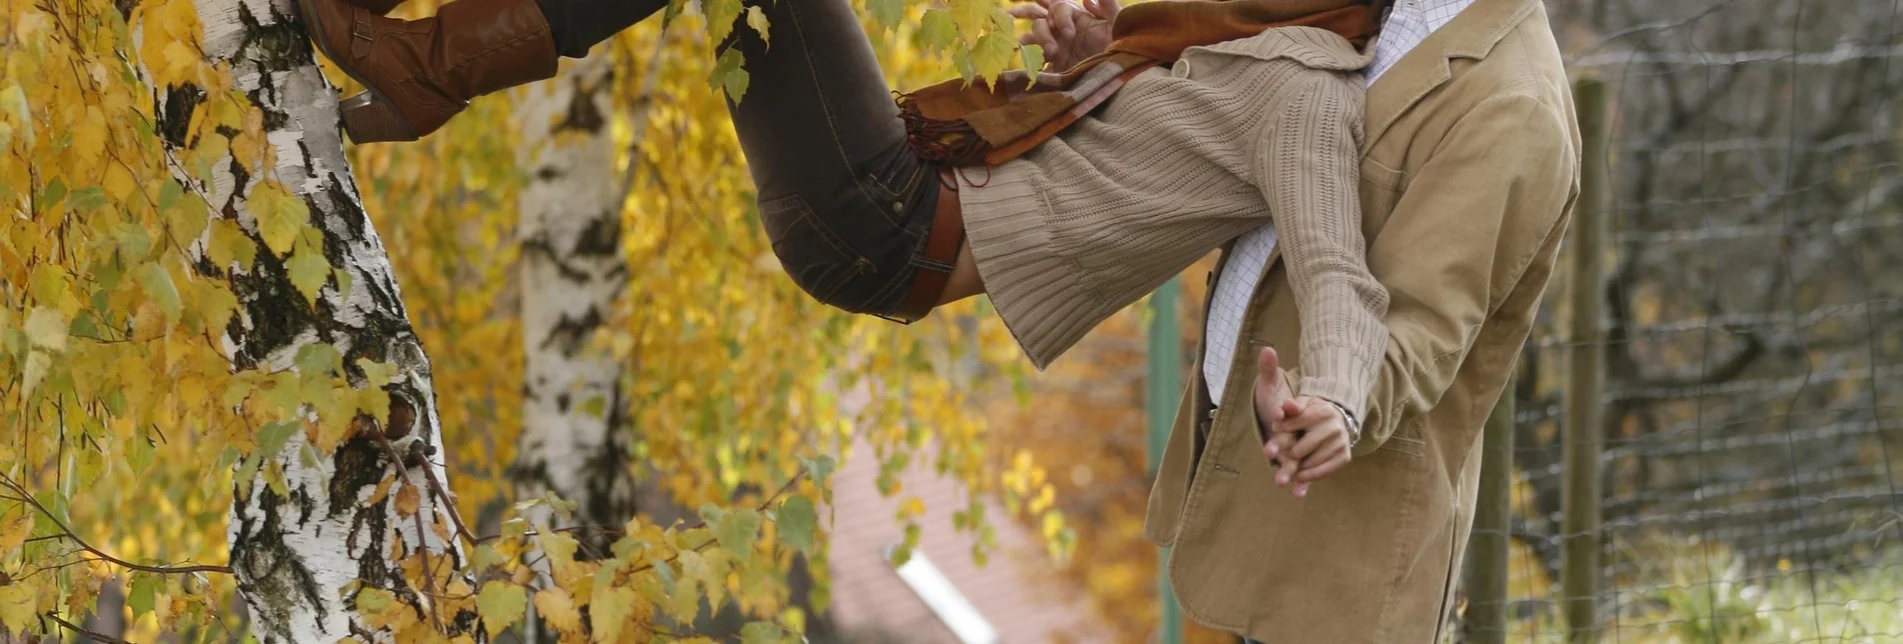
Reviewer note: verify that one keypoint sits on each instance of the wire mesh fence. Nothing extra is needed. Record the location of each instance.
(1752, 459)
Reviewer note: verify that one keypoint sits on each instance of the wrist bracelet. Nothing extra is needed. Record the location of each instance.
(1354, 425)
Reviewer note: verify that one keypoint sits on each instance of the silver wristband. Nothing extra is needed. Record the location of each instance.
(1354, 424)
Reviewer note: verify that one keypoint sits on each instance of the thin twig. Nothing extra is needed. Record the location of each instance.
(69, 534)
(768, 503)
(94, 636)
(449, 505)
(422, 537)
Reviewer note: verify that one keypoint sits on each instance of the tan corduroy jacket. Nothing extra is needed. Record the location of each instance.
(1468, 177)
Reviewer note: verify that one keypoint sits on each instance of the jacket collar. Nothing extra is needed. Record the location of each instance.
(1472, 34)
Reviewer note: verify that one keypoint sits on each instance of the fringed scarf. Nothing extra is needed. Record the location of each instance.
(971, 124)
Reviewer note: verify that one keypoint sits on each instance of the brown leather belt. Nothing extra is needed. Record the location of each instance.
(941, 246)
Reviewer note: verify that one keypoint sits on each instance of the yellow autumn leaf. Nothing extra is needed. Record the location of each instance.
(280, 215)
(14, 531)
(46, 328)
(18, 608)
(228, 244)
(89, 137)
(407, 500)
(557, 607)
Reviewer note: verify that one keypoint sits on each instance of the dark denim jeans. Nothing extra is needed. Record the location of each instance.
(844, 201)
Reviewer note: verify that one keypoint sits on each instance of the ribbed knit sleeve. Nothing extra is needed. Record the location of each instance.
(1039, 292)
(1165, 172)
(1309, 156)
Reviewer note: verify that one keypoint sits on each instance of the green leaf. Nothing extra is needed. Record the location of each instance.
(145, 590)
(159, 288)
(721, 15)
(1033, 56)
(760, 633)
(54, 191)
(888, 12)
(501, 604)
(271, 438)
(317, 358)
(484, 557)
(729, 75)
(308, 269)
(737, 528)
(819, 467)
(376, 374)
(248, 470)
(797, 521)
(86, 199)
(187, 220)
(169, 192)
(937, 30)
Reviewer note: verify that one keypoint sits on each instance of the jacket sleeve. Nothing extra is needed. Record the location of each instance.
(1309, 161)
(1490, 202)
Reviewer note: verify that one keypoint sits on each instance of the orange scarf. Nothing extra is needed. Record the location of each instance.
(970, 124)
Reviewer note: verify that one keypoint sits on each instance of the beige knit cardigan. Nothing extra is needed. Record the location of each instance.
(1181, 161)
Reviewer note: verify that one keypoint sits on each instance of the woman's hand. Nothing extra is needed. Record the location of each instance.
(1069, 32)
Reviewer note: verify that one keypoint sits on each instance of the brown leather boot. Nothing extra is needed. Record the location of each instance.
(419, 73)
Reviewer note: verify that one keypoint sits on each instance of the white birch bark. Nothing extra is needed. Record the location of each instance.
(574, 441)
(295, 554)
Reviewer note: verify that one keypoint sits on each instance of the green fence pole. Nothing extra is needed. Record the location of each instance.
(1583, 432)
(1163, 388)
(1487, 551)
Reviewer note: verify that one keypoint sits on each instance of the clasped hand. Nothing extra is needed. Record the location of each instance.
(1304, 437)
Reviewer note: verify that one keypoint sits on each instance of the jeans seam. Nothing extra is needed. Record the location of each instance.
(826, 106)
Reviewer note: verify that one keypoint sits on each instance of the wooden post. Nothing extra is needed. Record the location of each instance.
(1583, 435)
(1485, 621)
(1162, 388)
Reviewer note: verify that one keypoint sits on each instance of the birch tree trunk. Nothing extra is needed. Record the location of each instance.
(300, 549)
(574, 440)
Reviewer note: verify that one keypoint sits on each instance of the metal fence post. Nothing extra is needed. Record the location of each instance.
(1583, 434)
(1485, 621)
(1162, 388)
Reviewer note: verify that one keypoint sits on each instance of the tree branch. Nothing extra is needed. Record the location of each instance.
(68, 533)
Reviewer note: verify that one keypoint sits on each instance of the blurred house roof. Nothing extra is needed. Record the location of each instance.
(1016, 594)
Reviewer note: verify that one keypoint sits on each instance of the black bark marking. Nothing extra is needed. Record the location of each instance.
(606, 476)
(175, 120)
(570, 333)
(540, 245)
(274, 580)
(583, 114)
(602, 238)
(360, 463)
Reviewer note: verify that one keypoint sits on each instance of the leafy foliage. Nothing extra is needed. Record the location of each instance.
(135, 425)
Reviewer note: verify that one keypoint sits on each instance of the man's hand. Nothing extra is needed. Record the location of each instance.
(1068, 32)
(1305, 438)
(1320, 442)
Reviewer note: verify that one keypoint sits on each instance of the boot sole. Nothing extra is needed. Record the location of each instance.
(369, 116)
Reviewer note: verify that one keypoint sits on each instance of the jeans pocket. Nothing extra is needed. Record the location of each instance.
(811, 253)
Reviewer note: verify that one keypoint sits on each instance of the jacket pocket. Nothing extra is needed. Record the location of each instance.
(1408, 445)
(817, 259)
(1381, 188)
